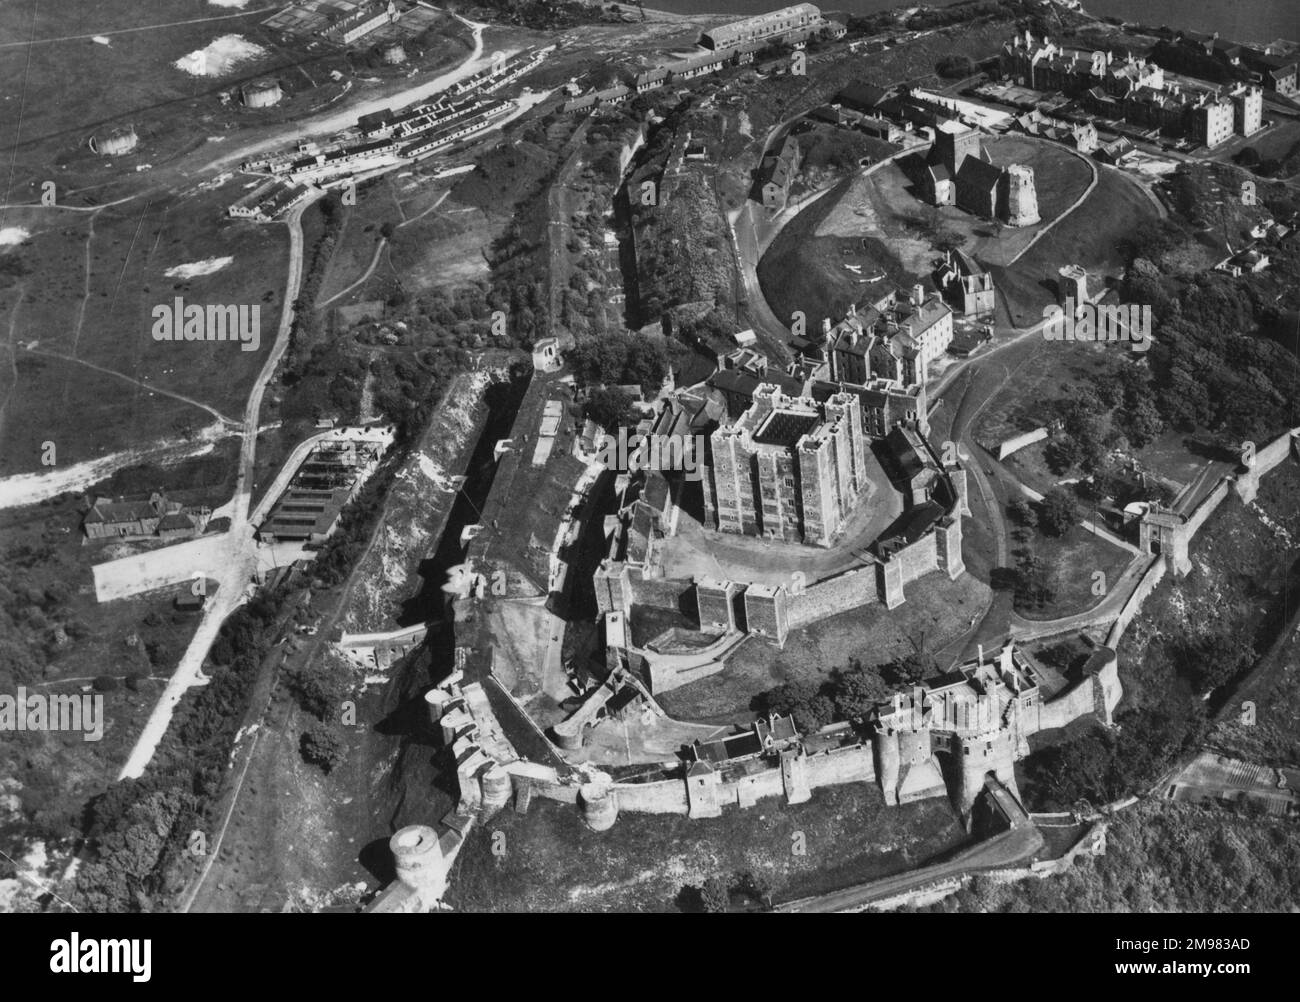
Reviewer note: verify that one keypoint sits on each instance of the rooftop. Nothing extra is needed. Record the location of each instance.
(785, 428)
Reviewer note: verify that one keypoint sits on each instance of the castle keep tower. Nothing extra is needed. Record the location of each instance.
(1018, 199)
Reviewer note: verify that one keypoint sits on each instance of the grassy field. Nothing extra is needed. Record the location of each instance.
(553, 862)
(1072, 560)
(1089, 236)
(874, 226)
(95, 381)
(937, 612)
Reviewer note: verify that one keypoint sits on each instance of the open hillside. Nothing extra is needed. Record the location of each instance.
(872, 231)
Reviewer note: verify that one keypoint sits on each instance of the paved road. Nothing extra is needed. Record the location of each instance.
(235, 572)
(1011, 847)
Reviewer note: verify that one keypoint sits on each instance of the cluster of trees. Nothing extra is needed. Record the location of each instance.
(306, 323)
(519, 276)
(926, 18)
(716, 893)
(544, 15)
(1215, 366)
(848, 694)
(683, 252)
(1283, 166)
(138, 828)
(141, 832)
(955, 67)
(1194, 62)
(1117, 408)
(610, 407)
(620, 358)
(1102, 765)
(1161, 857)
(35, 620)
(1033, 580)
(320, 689)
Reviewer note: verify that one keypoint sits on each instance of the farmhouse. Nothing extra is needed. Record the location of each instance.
(155, 517)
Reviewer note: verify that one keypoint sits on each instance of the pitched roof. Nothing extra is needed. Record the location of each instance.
(979, 174)
(861, 94)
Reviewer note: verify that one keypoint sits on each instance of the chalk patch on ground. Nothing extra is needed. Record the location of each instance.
(219, 56)
(13, 235)
(229, 3)
(195, 268)
(434, 472)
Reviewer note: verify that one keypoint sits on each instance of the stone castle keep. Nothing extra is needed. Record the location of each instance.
(788, 469)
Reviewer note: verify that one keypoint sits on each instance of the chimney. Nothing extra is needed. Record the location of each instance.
(826, 325)
(918, 294)
(980, 655)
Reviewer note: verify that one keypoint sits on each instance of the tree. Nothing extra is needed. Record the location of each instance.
(914, 668)
(322, 744)
(858, 691)
(757, 885)
(1023, 513)
(319, 690)
(955, 67)
(804, 700)
(715, 895)
(1142, 422)
(610, 407)
(1060, 511)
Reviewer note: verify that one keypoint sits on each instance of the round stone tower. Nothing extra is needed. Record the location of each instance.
(1022, 197)
(435, 701)
(885, 742)
(599, 806)
(496, 789)
(418, 858)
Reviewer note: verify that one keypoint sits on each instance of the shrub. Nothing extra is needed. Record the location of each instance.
(323, 745)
